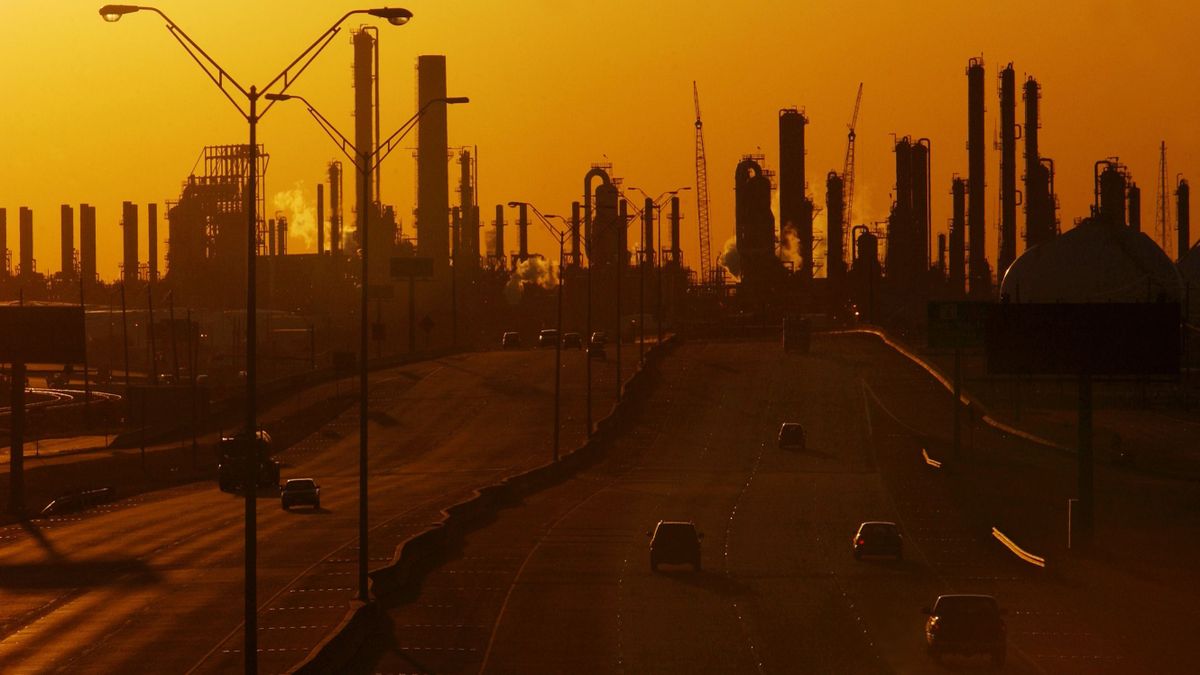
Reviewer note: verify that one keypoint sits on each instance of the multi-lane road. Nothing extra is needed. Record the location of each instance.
(153, 584)
(562, 583)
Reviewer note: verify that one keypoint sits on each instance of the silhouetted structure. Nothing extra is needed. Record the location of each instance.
(335, 207)
(1008, 169)
(129, 239)
(835, 208)
(958, 223)
(1183, 216)
(908, 223)
(67, 242)
(365, 132)
(87, 243)
(5, 253)
(152, 240)
(522, 232)
(1134, 195)
(25, 222)
(755, 224)
(469, 209)
(499, 254)
(674, 254)
(433, 191)
(1040, 223)
(576, 247)
(795, 208)
(980, 274)
(320, 218)
(1110, 205)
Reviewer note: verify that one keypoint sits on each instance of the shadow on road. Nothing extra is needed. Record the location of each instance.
(709, 581)
(75, 574)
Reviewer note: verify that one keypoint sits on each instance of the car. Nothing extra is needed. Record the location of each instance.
(599, 338)
(511, 340)
(572, 341)
(878, 537)
(675, 542)
(298, 491)
(548, 337)
(791, 435)
(966, 624)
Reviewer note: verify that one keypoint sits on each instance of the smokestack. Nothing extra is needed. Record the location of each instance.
(67, 240)
(835, 208)
(320, 218)
(1110, 192)
(364, 120)
(622, 234)
(1039, 204)
(795, 208)
(921, 164)
(281, 237)
(500, 254)
(468, 234)
(87, 242)
(676, 258)
(1008, 170)
(335, 207)
(941, 256)
(523, 232)
(1135, 207)
(129, 226)
(271, 236)
(981, 276)
(576, 254)
(1183, 216)
(958, 228)
(900, 260)
(152, 239)
(4, 241)
(433, 193)
(25, 218)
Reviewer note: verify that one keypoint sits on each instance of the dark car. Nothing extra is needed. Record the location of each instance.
(599, 338)
(548, 337)
(878, 537)
(297, 491)
(966, 625)
(511, 340)
(675, 543)
(572, 341)
(791, 436)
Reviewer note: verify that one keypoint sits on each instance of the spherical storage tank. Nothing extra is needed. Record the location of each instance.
(1097, 261)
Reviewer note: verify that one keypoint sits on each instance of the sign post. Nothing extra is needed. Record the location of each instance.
(957, 325)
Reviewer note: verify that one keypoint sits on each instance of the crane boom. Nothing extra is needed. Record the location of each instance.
(848, 172)
(702, 192)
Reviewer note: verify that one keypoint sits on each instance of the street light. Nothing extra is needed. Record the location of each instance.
(237, 94)
(658, 202)
(562, 238)
(365, 162)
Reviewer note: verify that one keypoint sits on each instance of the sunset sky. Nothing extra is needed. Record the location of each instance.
(100, 113)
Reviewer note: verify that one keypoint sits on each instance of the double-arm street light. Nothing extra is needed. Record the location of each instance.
(365, 161)
(561, 235)
(246, 102)
(658, 203)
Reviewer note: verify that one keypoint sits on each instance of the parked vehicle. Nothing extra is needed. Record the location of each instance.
(791, 436)
(511, 340)
(548, 337)
(877, 537)
(572, 341)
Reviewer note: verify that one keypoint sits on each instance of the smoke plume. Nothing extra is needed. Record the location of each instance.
(729, 258)
(301, 216)
(788, 248)
(530, 272)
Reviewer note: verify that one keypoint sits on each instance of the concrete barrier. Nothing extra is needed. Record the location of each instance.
(421, 553)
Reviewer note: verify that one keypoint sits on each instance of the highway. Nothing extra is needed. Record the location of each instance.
(154, 583)
(562, 582)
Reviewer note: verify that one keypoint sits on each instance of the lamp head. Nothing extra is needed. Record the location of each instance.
(113, 13)
(278, 97)
(457, 99)
(397, 16)
(514, 204)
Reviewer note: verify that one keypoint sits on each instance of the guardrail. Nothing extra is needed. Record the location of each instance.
(1021, 553)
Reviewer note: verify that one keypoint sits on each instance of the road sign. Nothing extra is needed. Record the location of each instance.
(1106, 339)
(426, 323)
(36, 334)
(406, 267)
(957, 325)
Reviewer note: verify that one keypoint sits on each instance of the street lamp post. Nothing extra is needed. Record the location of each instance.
(366, 162)
(230, 87)
(657, 204)
(561, 235)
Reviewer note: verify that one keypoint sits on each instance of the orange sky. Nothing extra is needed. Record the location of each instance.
(100, 113)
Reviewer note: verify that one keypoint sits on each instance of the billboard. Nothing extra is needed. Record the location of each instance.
(38, 334)
(1110, 339)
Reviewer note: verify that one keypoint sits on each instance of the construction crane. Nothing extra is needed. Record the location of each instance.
(702, 193)
(848, 167)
